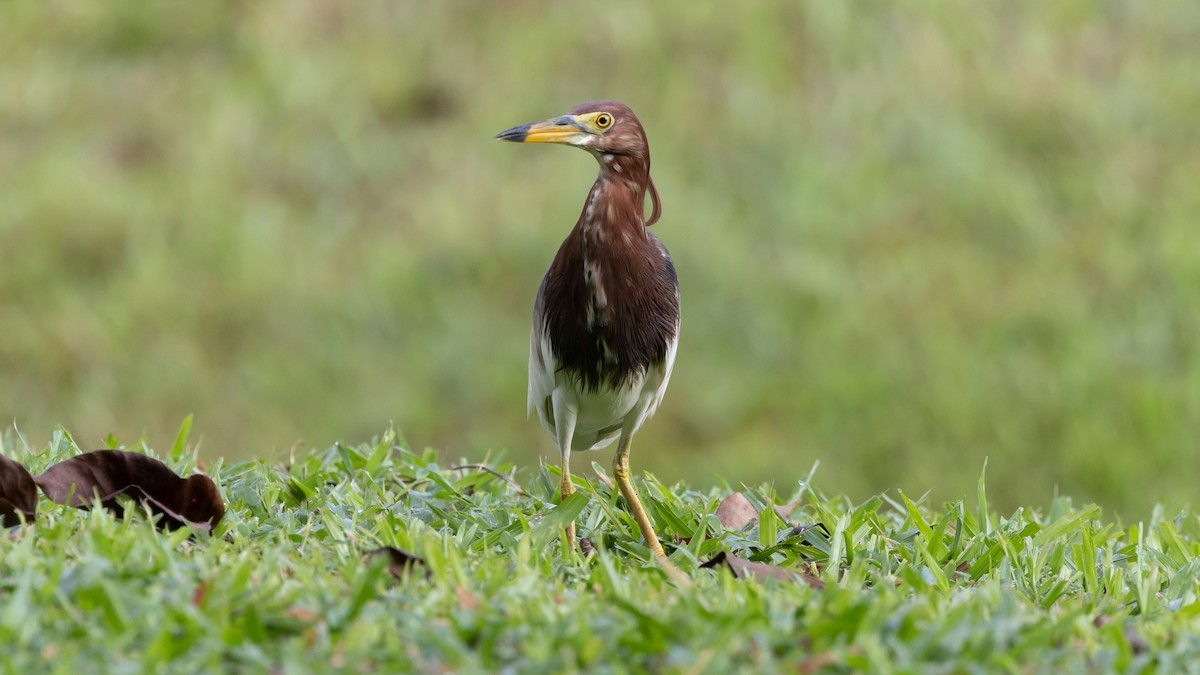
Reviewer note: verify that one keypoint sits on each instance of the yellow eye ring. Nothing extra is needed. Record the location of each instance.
(604, 120)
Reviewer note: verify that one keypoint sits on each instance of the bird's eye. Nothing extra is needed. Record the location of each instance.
(604, 120)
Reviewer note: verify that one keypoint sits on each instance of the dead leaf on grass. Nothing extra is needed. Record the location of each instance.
(200, 594)
(400, 563)
(107, 474)
(736, 512)
(817, 663)
(18, 495)
(467, 600)
(743, 568)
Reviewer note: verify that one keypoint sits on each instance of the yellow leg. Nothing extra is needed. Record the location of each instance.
(621, 473)
(567, 488)
(564, 423)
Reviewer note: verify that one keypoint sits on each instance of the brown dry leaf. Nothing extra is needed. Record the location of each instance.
(785, 510)
(466, 599)
(735, 511)
(303, 614)
(743, 568)
(200, 594)
(400, 563)
(817, 662)
(107, 474)
(18, 495)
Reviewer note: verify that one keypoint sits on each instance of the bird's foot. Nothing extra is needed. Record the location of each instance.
(676, 576)
(567, 488)
(570, 536)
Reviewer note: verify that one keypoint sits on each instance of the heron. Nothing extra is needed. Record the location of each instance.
(606, 319)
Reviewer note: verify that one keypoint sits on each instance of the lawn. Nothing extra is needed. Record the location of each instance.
(288, 582)
(909, 238)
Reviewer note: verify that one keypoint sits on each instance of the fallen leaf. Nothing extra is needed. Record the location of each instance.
(107, 474)
(1137, 643)
(18, 496)
(743, 568)
(400, 563)
(785, 510)
(735, 511)
(817, 663)
(466, 599)
(303, 614)
(200, 594)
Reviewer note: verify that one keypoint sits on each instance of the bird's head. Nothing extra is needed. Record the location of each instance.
(600, 127)
(611, 132)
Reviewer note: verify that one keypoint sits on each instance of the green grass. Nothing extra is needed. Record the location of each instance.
(284, 585)
(910, 236)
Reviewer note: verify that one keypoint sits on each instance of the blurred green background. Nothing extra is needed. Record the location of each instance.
(910, 235)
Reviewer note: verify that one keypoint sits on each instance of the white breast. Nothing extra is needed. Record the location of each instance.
(600, 413)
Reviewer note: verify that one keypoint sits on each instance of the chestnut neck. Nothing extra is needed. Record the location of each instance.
(616, 203)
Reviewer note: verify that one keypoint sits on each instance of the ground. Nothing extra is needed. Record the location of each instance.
(288, 581)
